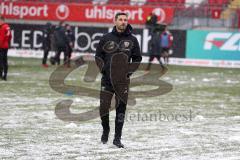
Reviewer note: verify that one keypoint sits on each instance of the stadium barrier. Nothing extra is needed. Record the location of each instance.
(188, 47)
(215, 45)
(28, 36)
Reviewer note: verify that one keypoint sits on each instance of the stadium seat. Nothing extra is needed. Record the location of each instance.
(218, 2)
(119, 2)
(137, 2)
(167, 3)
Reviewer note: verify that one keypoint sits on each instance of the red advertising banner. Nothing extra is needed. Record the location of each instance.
(81, 12)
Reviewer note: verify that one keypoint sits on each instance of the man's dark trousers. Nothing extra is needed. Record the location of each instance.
(3, 63)
(106, 94)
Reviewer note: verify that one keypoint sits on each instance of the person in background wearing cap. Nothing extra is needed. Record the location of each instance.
(5, 38)
(151, 22)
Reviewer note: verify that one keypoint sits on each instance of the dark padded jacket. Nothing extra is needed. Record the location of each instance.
(114, 43)
(155, 44)
(60, 38)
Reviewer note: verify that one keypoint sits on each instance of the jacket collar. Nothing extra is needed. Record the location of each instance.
(128, 31)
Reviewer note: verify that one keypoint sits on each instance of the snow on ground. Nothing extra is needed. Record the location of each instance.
(199, 119)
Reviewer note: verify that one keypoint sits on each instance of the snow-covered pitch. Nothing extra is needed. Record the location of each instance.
(199, 119)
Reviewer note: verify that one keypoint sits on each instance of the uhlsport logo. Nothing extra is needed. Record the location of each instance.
(160, 13)
(224, 41)
(62, 12)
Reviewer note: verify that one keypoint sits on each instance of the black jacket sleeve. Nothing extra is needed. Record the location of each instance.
(99, 56)
(135, 57)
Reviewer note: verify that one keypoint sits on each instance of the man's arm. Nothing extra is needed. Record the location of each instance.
(136, 57)
(9, 34)
(99, 56)
(170, 39)
(2, 35)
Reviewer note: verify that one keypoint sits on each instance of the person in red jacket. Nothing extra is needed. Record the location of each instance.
(5, 37)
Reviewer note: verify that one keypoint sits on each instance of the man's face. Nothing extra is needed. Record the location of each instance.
(121, 23)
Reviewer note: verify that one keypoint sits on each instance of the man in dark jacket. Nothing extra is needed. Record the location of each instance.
(155, 50)
(47, 36)
(61, 41)
(70, 43)
(117, 56)
(151, 22)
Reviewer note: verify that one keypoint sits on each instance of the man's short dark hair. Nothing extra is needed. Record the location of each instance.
(119, 14)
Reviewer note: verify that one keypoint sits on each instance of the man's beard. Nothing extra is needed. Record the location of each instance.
(122, 28)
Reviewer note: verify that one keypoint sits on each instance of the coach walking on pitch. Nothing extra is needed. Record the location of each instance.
(117, 51)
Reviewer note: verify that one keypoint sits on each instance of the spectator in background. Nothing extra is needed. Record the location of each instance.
(152, 19)
(60, 41)
(166, 44)
(47, 42)
(155, 50)
(70, 44)
(5, 38)
(151, 22)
